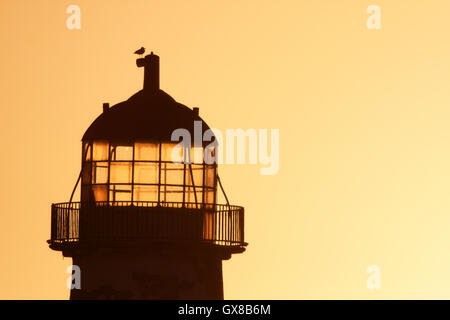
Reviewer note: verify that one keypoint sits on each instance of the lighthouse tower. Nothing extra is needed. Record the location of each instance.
(148, 225)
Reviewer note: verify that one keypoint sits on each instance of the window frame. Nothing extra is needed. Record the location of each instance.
(201, 188)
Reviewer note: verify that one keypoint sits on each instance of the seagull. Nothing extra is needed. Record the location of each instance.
(140, 51)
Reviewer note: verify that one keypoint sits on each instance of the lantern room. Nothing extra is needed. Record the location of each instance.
(129, 152)
(146, 170)
(148, 173)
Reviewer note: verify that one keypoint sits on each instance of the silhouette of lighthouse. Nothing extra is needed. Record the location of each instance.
(148, 225)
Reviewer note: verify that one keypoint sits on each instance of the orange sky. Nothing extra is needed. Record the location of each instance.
(363, 119)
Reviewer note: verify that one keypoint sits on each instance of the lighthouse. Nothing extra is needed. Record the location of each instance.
(148, 225)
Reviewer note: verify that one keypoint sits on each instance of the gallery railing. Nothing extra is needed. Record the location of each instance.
(122, 221)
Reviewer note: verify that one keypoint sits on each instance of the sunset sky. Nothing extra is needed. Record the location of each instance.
(363, 116)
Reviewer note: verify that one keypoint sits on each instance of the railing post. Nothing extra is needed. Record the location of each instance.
(53, 223)
(67, 216)
(241, 224)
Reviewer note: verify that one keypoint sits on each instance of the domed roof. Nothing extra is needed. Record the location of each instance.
(147, 115)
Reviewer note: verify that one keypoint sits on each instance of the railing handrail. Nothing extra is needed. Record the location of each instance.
(219, 224)
(166, 204)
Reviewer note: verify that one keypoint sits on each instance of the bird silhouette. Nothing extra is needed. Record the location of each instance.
(140, 51)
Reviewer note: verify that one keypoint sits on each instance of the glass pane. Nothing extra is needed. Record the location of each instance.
(146, 151)
(100, 172)
(100, 150)
(197, 173)
(122, 153)
(171, 152)
(87, 151)
(146, 172)
(171, 194)
(210, 155)
(210, 176)
(196, 155)
(100, 192)
(120, 193)
(145, 193)
(209, 196)
(120, 172)
(172, 173)
(190, 195)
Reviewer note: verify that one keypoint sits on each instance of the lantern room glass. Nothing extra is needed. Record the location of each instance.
(117, 172)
